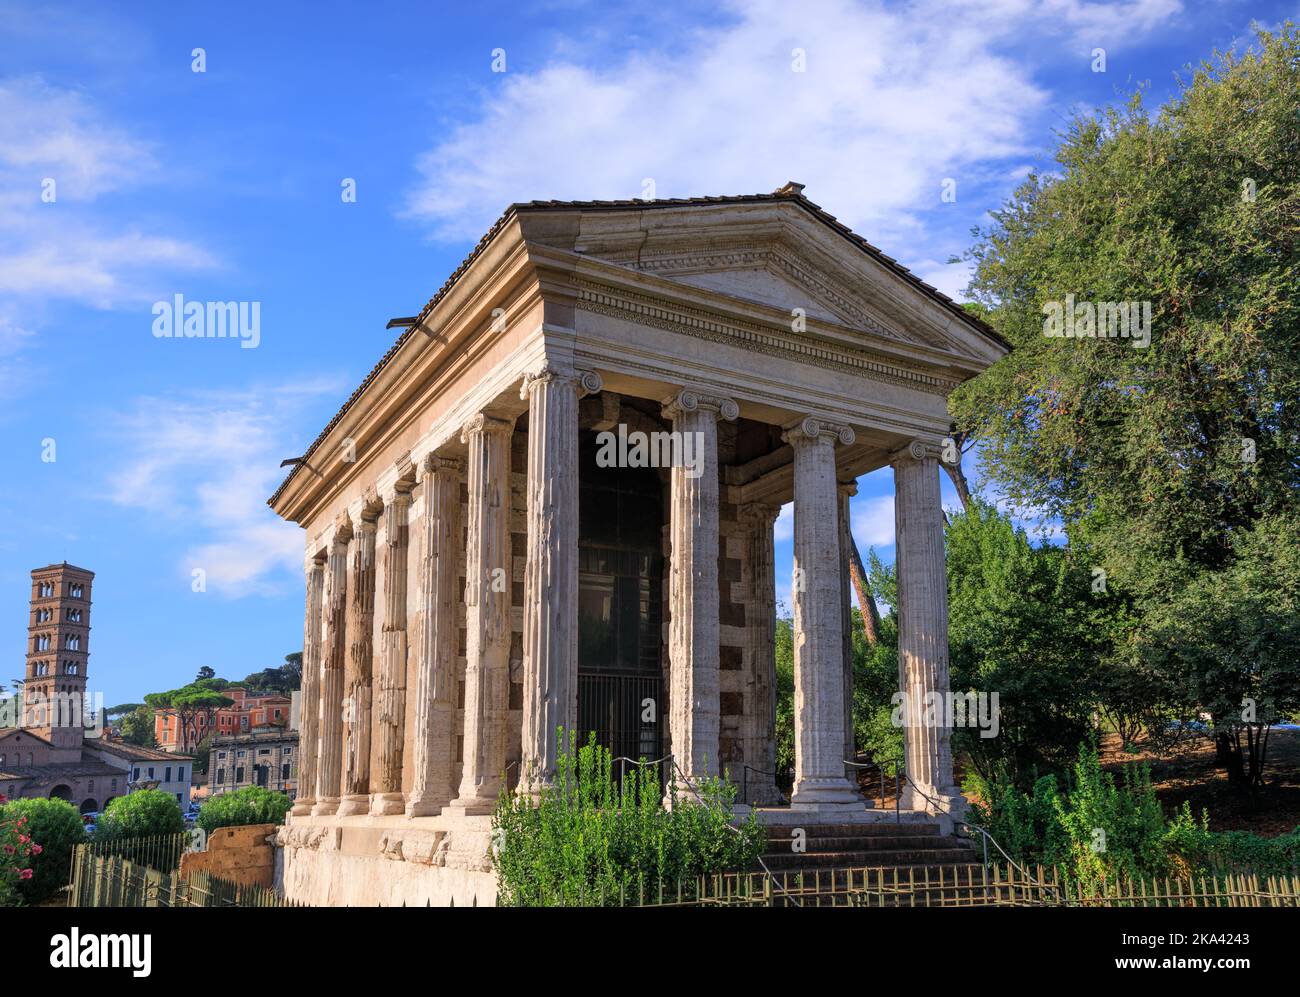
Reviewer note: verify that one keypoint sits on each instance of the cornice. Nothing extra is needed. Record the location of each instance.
(604, 299)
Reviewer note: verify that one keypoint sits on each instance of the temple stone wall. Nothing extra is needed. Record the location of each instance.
(369, 862)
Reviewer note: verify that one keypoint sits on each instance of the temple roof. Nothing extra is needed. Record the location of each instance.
(789, 193)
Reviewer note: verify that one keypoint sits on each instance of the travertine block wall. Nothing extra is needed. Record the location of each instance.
(734, 657)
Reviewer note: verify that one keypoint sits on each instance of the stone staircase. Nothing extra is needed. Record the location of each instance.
(883, 844)
(920, 865)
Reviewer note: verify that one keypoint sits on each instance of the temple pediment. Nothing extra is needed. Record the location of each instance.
(777, 250)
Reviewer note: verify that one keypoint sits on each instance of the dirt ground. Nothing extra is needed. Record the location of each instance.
(1187, 772)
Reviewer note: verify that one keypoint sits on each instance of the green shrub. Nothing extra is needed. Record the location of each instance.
(1099, 829)
(590, 840)
(250, 805)
(1028, 825)
(54, 825)
(1247, 852)
(144, 813)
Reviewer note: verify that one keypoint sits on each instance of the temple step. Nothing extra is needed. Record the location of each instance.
(873, 843)
(873, 858)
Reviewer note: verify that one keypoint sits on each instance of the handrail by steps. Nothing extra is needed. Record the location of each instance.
(987, 836)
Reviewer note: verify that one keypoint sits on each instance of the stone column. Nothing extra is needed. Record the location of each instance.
(551, 576)
(487, 614)
(760, 742)
(334, 649)
(819, 780)
(309, 705)
(693, 627)
(359, 673)
(390, 682)
(847, 489)
(923, 631)
(436, 678)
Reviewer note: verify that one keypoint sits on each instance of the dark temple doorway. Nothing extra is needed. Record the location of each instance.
(620, 594)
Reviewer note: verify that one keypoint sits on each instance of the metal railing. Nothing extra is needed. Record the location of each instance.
(986, 836)
(678, 773)
(898, 768)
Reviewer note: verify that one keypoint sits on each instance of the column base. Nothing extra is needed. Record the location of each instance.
(325, 807)
(935, 801)
(387, 803)
(303, 807)
(829, 791)
(426, 806)
(470, 807)
(354, 805)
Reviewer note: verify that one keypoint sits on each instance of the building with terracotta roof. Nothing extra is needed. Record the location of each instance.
(250, 712)
(56, 746)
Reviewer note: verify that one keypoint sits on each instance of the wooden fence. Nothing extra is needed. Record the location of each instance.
(145, 872)
(960, 886)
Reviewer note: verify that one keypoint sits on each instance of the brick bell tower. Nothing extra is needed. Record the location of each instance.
(58, 639)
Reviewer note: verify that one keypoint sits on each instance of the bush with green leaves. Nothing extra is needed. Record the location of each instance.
(1098, 829)
(54, 825)
(250, 805)
(144, 813)
(589, 839)
(1244, 851)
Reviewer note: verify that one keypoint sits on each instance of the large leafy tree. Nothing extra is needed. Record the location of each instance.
(1231, 638)
(200, 698)
(138, 727)
(1160, 456)
(1025, 624)
(1164, 461)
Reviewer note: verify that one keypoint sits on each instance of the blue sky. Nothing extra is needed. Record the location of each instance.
(225, 185)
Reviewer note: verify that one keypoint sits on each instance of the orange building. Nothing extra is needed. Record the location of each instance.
(251, 711)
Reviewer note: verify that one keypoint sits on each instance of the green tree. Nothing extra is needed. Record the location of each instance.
(202, 754)
(1160, 460)
(1163, 454)
(138, 727)
(1026, 626)
(200, 698)
(250, 805)
(1231, 637)
(784, 695)
(144, 813)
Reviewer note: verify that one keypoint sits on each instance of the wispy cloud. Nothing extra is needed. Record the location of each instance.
(873, 521)
(203, 463)
(887, 105)
(57, 242)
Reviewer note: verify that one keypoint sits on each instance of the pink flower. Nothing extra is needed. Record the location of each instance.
(36, 849)
(10, 849)
(24, 874)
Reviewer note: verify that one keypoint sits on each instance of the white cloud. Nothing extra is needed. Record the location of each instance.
(71, 248)
(205, 463)
(891, 102)
(49, 132)
(784, 527)
(872, 521)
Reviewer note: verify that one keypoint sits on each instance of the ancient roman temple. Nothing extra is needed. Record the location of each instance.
(552, 505)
